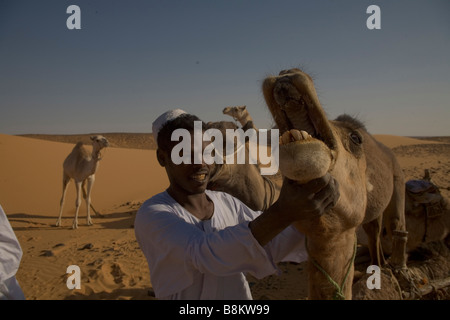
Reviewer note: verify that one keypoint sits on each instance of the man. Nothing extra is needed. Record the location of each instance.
(199, 244)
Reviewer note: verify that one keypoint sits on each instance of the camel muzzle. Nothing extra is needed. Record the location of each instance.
(294, 104)
(293, 107)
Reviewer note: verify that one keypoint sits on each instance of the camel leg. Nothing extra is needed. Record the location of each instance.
(373, 230)
(66, 181)
(396, 225)
(84, 197)
(90, 183)
(77, 204)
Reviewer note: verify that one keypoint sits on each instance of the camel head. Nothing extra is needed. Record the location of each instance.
(99, 142)
(236, 112)
(311, 145)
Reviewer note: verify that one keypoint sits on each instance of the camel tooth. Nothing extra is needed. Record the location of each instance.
(296, 135)
(305, 134)
(286, 137)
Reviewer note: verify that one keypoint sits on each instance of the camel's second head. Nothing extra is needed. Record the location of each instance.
(99, 141)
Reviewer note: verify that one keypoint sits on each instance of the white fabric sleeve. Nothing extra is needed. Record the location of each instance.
(288, 245)
(10, 250)
(11, 290)
(175, 249)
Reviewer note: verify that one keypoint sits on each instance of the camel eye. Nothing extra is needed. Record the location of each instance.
(356, 137)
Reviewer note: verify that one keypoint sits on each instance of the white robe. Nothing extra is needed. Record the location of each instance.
(193, 259)
(10, 256)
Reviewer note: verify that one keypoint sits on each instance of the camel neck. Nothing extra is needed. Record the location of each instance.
(331, 266)
(245, 119)
(96, 154)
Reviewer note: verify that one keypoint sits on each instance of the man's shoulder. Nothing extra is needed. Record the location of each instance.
(157, 201)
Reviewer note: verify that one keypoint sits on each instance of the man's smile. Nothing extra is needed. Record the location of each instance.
(200, 176)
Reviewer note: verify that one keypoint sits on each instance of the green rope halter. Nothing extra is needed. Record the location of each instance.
(339, 294)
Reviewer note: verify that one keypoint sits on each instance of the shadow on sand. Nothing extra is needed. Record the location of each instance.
(116, 220)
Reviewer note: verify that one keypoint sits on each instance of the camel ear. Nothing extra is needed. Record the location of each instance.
(92, 138)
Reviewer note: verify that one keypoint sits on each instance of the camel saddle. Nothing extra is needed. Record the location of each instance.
(424, 192)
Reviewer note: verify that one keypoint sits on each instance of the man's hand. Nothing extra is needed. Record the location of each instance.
(310, 200)
(296, 202)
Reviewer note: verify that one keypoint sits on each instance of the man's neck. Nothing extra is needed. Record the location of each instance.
(199, 205)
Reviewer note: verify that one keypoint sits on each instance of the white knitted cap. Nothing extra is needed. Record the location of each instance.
(163, 119)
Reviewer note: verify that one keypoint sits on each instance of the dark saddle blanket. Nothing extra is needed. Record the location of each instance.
(424, 192)
(420, 187)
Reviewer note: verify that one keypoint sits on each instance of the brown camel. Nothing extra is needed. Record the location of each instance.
(370, 178)
(244, 181)
(427, 214)
(80, 165)
(241, 114)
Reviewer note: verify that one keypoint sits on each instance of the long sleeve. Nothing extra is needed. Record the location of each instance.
(10, 256)
(10, 250)
(184, 253)
(175, 250)
(288, 245)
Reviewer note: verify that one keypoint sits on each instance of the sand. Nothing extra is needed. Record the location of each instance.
(30, 190)
(111, 263)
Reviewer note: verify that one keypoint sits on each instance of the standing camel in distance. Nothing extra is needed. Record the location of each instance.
(80, 165)
(241, 114)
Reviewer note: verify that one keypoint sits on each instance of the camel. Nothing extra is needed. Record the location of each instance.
(80, 165)
(241, 114)
(427, 214)
(370, 179)
(243, 181)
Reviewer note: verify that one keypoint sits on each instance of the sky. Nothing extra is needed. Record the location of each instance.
(133, 60)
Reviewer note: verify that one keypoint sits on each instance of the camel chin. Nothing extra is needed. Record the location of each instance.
(305, 159)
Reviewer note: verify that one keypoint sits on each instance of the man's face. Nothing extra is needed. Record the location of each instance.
(187, 178)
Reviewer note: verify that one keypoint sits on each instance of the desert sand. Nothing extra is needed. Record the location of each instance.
(111, 263)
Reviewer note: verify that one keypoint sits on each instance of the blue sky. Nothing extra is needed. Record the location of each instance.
(133, 60)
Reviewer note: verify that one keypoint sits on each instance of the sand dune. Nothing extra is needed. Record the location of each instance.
(116, 140)
(111, 263)
(35, 168)
(30, 190)
(396, 141)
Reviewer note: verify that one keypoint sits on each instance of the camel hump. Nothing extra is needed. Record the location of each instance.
(80, 151)
(79, 145)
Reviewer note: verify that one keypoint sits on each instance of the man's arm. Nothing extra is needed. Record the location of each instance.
(296, 202)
